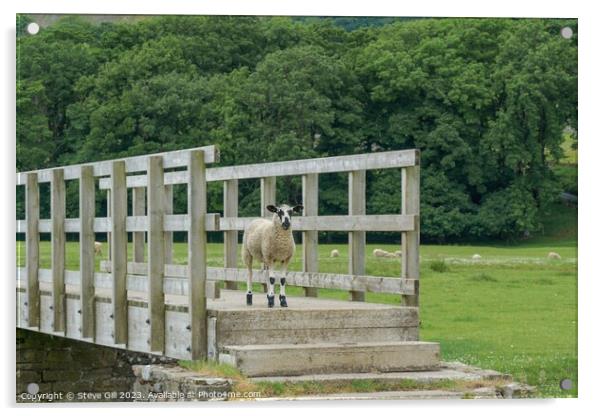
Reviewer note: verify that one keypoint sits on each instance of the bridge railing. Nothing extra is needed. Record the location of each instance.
(357, 223)
(114, 324)
(94, 306)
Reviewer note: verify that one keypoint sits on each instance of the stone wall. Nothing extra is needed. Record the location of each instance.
(51, 368)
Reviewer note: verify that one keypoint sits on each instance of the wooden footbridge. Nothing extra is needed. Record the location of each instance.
(149, 304)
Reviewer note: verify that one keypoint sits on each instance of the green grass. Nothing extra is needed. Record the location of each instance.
(514, 310)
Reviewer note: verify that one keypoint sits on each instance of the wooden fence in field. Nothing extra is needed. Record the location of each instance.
(95, 306)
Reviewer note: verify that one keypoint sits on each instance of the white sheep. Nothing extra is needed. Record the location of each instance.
(98, 248)
(554, 255)
(377, 252)
(335, 253)
(476, 257)
(398, 253)
(271, 242)
(390, 255)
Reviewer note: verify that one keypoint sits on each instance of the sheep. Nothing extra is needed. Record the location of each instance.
(554, 255)
(398, 253)
(390, 255)
(377, 252)
(335, 253)
(271, 242)
(98, 248)
(476, 257)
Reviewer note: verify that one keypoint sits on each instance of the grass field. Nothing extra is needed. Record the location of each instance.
(514, 310)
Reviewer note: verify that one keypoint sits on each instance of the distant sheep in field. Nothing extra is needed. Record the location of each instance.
(398, 253)
(335, 253)
(97, 248)
(270, 242)
(476, 257)
(554, 255)
(377, 252)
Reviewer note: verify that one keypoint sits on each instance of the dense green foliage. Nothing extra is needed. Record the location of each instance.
(486, 100)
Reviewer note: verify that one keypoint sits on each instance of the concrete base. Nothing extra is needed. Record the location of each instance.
(299, 359)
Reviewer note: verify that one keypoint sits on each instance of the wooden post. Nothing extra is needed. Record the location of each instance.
(57, 213)
(357, 239)
(168, 201)
(119, 251)
(268, 197)
(87, 205)
(231, 237)
(156, 253)
(139, 209)
(109, 203)
(410, 240)
(32, 203)
(310, 238)
(197, 255)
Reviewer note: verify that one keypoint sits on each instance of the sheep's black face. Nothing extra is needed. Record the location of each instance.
(284, 213)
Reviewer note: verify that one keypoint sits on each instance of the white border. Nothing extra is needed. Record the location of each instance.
(590, 137)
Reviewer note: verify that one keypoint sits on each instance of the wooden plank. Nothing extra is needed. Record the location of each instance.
(32, 236)
(173, 159)
(268, 195)
(310, 238)
(367, 161)
(335, 223)
(118, 251)
(197, 255)
(410, 249)
(108, 221)
(87, 207)
(57, 209)
(213, 222)
(138, 210)
(156, 254)
(377, 284)
(168, 235)
(357, 239)
(176, 283)
(231, 236)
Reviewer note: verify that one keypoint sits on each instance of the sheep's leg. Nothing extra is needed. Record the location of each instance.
(248, 259)
(272, 281)
(282, 296)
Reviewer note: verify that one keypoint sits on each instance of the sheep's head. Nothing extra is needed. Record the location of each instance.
(284, 214)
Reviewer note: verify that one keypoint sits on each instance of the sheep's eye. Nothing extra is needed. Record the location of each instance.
(280, 212)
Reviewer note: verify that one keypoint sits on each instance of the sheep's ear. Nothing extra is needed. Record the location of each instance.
(298, 208)
(271, 208)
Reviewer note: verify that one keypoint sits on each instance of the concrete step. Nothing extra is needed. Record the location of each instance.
(254, 326)
(325, 358)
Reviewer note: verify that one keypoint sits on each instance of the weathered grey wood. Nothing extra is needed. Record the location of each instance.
(87, 206)
(177, 273)
(174, 159)
(108, 221)
(138, 209)
(310, 238)
(212, 290)
(212, 351)
(32, 236)
(231, 236)
(382, 160)
(336, 223)
(268, 195)
(118, 253)
(156, 254)
(410, 203)
(177, 222)
(168, 200)
(357, 239)
(57, 209)
(197, 255)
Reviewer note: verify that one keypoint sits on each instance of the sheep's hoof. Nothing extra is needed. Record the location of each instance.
(249, 299)
(270, 301)
(283, 301)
